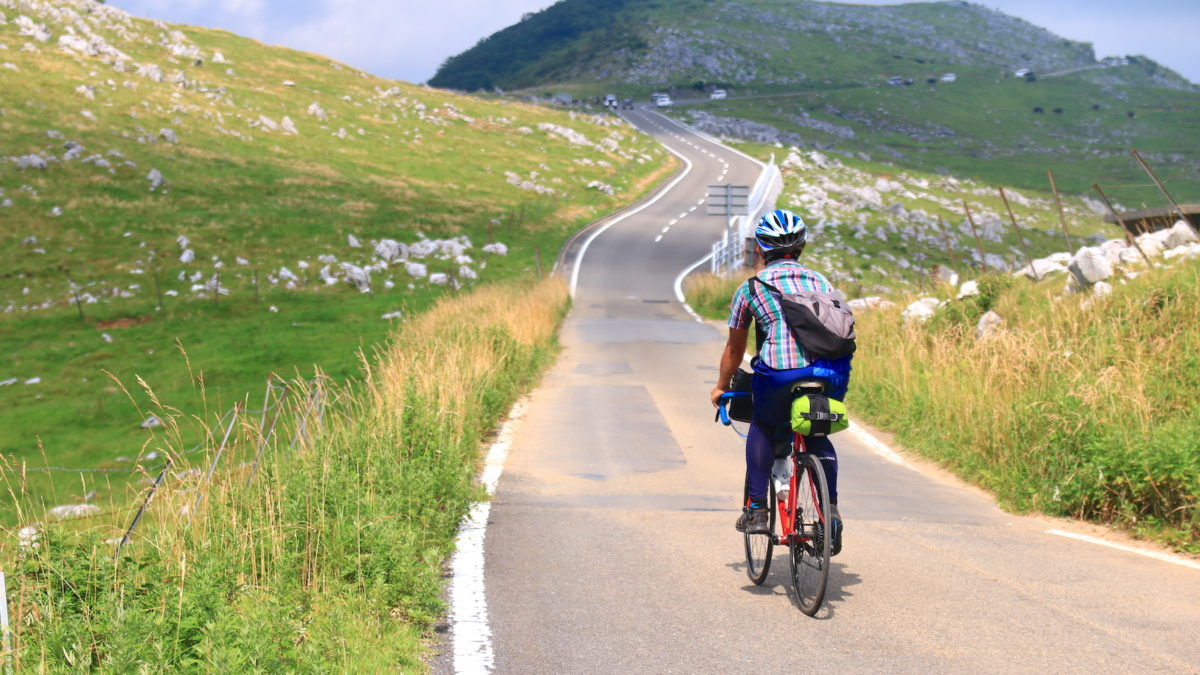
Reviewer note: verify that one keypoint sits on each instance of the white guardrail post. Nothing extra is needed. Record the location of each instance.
(7, 639)
(728, 251)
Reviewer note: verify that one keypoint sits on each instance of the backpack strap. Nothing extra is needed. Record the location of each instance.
(760, 335)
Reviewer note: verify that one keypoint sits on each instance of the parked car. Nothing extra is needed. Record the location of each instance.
(627, 104)
(610, 101)
(718, 95)
(663, 101)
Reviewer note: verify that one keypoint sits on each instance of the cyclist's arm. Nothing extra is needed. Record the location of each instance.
(731, 358)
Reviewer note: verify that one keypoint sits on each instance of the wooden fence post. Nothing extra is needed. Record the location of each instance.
(1062, 220)
(1121, 223)
(1163, 190)
(1017, 230)
(975, 232)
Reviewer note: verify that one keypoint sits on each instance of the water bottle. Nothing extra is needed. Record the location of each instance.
(781, 474)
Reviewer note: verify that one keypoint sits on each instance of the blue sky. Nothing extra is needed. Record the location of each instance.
(408, 40)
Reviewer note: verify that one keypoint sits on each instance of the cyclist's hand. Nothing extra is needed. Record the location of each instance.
(715, 395)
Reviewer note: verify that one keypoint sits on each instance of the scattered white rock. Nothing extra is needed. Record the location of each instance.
(73, 511)
(968, 289)
(106, 337)
(288, 126)
(318, 112)
(439, 279)
(9, 381)
(1101, 289)
(156, 179)
(497, 248)
(168, 135)
(920, 311)
(34, 380)
(392, 315)
(1180, 234)
(1090, 264)
(188, 256)
(352, 241)
(988, 325)
(273, 308)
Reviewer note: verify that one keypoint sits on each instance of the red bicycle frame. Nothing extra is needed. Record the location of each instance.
(787, 504)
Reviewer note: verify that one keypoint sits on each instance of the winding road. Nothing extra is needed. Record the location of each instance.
(610, 545)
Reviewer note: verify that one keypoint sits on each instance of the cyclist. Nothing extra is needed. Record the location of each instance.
(780, 362)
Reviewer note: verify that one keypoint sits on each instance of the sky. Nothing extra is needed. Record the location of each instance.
(408, 40)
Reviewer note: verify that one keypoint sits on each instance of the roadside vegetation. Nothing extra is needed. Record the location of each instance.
(328, 557)
(1081, 406)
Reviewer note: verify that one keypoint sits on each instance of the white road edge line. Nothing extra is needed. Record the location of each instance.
(472, 634)
(1164, 557)
(679, 287)
(600, 230)
(878, 447)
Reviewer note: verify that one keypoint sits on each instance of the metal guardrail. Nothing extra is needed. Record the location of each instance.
(728, 252)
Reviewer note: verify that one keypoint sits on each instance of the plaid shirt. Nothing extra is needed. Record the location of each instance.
(779, 349)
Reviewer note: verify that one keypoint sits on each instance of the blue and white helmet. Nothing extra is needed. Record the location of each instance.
(780, 229)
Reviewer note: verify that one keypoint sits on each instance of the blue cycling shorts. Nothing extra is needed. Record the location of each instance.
(772, 388)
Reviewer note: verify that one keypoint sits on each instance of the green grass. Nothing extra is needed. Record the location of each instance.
(330, 557)
(985, 128)
(427, 163)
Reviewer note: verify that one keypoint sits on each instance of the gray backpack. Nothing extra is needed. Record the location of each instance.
(819, 322)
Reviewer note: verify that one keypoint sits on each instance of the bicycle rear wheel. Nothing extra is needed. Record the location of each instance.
(809, 546)
(760, 546)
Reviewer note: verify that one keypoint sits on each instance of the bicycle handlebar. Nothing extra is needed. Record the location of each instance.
(722, 415)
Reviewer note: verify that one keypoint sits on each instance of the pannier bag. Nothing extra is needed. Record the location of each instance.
(820, 323)
(741, 408)
(818, 415)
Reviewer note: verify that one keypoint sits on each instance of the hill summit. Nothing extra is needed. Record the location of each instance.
(762, 44)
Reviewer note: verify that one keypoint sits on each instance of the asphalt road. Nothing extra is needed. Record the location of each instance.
(611, 548)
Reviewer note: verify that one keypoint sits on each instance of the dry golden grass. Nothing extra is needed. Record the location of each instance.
(1078, 406)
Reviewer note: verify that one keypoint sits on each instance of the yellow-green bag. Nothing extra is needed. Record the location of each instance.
(818, 415)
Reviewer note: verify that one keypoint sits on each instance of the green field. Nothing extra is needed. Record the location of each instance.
(381, 160)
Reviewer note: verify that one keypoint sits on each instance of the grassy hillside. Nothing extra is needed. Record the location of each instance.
(275, 204)
(815, 75)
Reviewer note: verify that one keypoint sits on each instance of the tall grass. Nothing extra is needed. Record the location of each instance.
(1082, 407)
(329, 557)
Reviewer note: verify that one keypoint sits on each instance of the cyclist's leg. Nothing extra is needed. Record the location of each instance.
(760, 456)
(823, 448)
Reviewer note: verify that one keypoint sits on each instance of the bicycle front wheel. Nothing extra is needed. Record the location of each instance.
(809, 544)
(760, 546)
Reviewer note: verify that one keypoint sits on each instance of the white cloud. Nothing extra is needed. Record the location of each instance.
(408, 40)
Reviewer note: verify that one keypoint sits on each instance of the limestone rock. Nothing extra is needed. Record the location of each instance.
(988, 325)
(920, 311)
(1090, 264)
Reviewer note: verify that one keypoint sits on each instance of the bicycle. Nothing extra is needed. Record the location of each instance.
(800, 510)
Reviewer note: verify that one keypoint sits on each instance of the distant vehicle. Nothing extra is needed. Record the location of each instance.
(610, 101)
(627, 104)
(949, 77)
(718, 95)
(1022, 72)
(895, 81)
(663, 101)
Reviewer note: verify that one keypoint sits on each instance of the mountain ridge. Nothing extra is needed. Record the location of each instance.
(657, 44)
